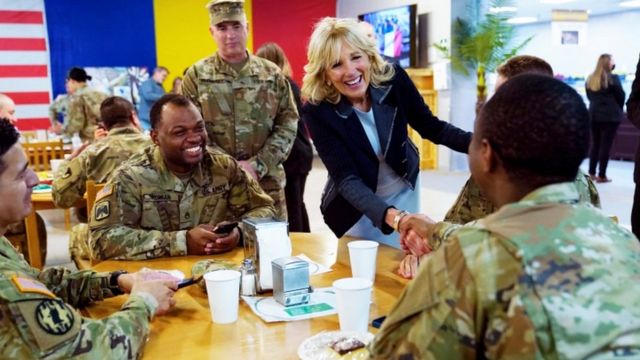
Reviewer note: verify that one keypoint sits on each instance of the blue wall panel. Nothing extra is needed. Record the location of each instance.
(99, 33)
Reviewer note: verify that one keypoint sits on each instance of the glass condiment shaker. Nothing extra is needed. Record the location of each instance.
(248, 279)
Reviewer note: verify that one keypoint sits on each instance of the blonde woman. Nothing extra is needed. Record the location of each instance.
(358, 110)
(606, 99)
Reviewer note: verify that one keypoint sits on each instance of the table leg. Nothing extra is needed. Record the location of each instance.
(33, 242)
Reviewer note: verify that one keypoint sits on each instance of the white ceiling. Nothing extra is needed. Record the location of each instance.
(543, 11)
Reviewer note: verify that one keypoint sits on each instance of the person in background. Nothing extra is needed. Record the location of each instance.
(606, 99)
(546, 276)
(298, 164)
(150, 91)
(97, 162)
(39, 316)
(176, 85)
(58, 108)
(168, 199)
(83, 113)
(246, 102)
(358, 110)
(633, 112)
(8, 109)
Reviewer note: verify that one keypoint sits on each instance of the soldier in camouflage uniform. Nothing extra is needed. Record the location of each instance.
(546, 276)
(83, 113)
(97, 162)
(166, 200)
(59, 107)
(245, 101)
(37, 315)
(471, 204)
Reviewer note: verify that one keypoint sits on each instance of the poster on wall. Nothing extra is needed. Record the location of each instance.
(569, 28)
(118, 81)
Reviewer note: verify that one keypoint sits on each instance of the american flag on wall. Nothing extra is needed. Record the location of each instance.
(24, 61)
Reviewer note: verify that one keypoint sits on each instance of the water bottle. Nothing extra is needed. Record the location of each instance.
(248, 279)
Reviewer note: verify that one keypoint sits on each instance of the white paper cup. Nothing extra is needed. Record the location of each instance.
(362, 256)
(223, 289)
(353, 298)
(55, 165)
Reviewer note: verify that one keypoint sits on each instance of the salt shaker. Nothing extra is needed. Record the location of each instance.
(248, 270)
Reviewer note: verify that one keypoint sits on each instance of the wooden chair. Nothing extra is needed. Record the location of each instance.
(40, 153)
(92, 191)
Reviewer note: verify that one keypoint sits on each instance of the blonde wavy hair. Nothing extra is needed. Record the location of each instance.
(324, 51)
(599, 79)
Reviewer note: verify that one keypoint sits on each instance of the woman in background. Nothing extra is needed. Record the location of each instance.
(298, 164)
(358, 110)
(606, 99)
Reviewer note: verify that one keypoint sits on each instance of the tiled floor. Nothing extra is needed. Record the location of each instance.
(439, 190)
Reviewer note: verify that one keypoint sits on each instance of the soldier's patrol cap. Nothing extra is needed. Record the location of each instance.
(226, 10)
(78, 74)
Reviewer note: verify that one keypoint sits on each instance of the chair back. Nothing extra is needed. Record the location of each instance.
(42, 152)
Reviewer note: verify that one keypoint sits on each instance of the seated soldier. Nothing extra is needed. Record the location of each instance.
(545, 276)
(471, 204)
(38, 316)
(166, 200)
(97, 162)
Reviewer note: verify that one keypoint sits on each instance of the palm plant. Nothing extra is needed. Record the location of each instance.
(481, 44)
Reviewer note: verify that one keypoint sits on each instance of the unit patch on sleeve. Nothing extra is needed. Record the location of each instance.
(102, 210)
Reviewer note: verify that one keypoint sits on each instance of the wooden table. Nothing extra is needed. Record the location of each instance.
(187, 331)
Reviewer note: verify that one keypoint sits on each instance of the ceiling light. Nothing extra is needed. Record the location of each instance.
(630, 3)
(502, 9)
(556, 1)
(522, 20)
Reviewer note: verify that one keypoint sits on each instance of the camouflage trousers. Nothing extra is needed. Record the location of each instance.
(275, 189)
(79, 242)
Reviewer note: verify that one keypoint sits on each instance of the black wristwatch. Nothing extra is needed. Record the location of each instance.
(113, 282)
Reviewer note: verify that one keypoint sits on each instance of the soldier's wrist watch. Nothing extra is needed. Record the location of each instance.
(113, 282)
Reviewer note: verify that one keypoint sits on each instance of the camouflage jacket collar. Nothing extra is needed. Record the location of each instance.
(378, 95)
(170, 181)
(123, 130)
(554, 193)
(249, 69)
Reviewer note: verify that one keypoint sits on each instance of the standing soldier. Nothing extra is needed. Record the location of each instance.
(245, 101)
(83, 113)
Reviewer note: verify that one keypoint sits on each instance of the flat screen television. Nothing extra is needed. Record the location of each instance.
(395, 30)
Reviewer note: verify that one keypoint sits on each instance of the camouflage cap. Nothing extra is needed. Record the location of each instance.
(226, 10)
(205, 266)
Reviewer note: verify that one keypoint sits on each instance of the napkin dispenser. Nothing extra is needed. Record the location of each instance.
(265, 239)
(290, 281)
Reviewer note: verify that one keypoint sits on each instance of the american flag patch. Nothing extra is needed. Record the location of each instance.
(27, 285)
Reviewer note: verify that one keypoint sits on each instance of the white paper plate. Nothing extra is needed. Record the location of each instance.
(317, 346)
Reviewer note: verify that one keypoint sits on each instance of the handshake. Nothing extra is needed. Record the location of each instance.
(415, 233)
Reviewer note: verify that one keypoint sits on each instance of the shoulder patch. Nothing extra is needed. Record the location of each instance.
(50, 321)
(102, 210)
(67, 173)
(105, 191)
(27, 285)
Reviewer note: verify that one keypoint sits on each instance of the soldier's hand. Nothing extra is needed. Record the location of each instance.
(224, 242)
(79, 150)
(248, 168)
(161, 290)
(100, 133)
(409, 266)
(415, 231)
(198, 238)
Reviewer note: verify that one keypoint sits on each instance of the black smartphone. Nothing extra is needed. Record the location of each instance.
(188, 281)
(225, 228)
(376, 323)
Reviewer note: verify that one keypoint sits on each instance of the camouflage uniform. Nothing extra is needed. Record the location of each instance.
(144, 211)
(59, 106)
(545, 277)
(83, 113)
(37, 319)
(471, 204)
(250, 114)
(95, 163)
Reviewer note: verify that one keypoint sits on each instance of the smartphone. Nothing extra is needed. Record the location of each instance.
(225, 228)
(188, 281)
(376, 323)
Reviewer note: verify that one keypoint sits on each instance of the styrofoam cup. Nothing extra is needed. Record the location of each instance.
(362, 256)
(223, 289)
(55, 165)
(353, 298)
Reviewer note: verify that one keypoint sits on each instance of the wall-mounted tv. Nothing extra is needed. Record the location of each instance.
(395, 30)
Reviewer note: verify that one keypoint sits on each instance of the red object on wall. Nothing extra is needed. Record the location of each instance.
(289, 24)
